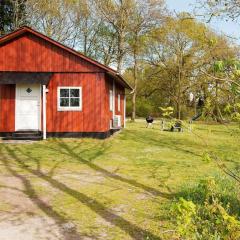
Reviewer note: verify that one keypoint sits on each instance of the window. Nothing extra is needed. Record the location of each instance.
(119, 102)
(69, 99)
(111, 100)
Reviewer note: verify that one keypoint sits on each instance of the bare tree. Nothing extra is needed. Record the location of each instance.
(116, 14)
(146, 16)
(228, 9)
(12, 15)
(54, 18)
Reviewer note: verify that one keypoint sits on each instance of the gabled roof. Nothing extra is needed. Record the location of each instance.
(26, 29)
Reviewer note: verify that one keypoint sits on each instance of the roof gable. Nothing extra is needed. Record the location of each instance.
(26, 50)
(20, 32)
(28, 53)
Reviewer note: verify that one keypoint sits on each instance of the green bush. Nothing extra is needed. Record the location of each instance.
(143, 108)
(129, 108)
(208, 211)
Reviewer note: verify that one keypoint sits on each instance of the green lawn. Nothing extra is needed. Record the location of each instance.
(117, 188)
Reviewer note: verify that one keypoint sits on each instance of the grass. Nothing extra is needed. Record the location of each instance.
(117, 188)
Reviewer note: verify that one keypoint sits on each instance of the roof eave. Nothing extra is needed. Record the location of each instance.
(119, 78)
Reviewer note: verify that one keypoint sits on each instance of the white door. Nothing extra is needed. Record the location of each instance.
(28, 110)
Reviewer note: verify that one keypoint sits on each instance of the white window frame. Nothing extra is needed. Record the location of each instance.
(111, 100)
(69, 108)
(119, 102)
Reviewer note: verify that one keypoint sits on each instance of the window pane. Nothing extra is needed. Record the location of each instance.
(64, 102)
(64, 92)
(74, 93)
(75, 102)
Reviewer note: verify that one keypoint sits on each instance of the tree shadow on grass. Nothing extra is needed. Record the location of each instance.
(30, 193)
(162, 141)
(129, 228)
(65, 149)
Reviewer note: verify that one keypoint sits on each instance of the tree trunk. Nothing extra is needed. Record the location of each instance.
(135, 81)
(120, 53)
(85, 37)
(217, 110)
(179, 87)
(133, 107)
(134, 95)
(178, 110)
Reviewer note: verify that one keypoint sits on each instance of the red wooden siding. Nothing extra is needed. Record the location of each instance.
(7, 108)
(92, 118)
(32, 54)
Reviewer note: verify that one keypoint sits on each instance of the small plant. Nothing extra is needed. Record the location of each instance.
(167, 112)
(206, 213)
(206, 157)
(234, 112)
(185, 212)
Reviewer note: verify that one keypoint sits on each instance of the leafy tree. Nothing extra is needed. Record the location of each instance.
(54, 18)
(176, 58)
(146, 16)
(12, 15)
(175, 55)
(229, 9)
(117, 14)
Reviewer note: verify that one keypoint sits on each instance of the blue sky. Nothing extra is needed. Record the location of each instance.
(229, 28)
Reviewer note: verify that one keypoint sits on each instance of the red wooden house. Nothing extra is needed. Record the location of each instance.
(50, 90)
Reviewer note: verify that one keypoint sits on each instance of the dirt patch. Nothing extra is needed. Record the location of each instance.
(82, 178)
(27, 214)
(29, 229)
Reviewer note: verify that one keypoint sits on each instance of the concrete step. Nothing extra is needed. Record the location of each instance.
(36, 138)
(25, 135)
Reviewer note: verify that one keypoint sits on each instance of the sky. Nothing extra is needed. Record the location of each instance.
(229, 28)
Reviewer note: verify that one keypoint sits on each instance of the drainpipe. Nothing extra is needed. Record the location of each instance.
(45, 90)
(114, 90)
(124, 110)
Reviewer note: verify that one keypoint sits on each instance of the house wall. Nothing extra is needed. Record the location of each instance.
(29, 53)
(92, 118)
(7, 108)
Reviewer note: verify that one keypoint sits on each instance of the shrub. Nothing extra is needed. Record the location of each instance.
(209, 211)
(144, 108)
(129, 108)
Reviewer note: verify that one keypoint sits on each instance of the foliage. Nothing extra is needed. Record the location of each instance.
(176, 55)
(12, 15)
(144, 108)
(226, 71)
(167, 112)
(185, 211)
(234, 112)
(207, 213)
(206, 157)
(229, 9)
